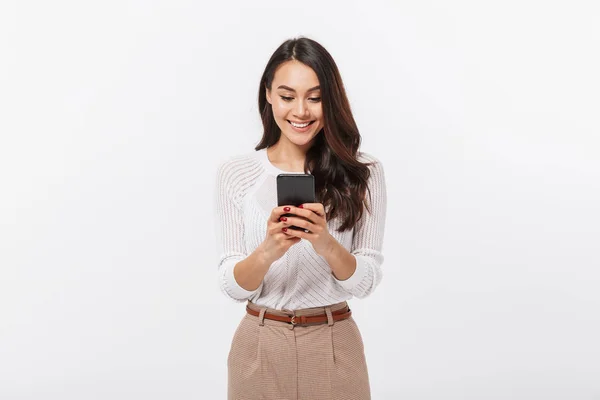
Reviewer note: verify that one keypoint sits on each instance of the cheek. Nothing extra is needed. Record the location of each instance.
(318, 113)
(280, 109)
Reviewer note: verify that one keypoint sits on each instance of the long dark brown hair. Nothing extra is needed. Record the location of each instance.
(340, 179)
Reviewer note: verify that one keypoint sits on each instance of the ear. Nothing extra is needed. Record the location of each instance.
(268, 94)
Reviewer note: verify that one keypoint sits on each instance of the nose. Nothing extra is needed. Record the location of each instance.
(301, 110)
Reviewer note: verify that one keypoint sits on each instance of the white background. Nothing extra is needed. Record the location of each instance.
(115, 114)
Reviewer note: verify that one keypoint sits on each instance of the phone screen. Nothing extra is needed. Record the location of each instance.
(295, 189)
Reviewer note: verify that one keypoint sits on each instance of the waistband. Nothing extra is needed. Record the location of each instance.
(300, 311)
(301, 317)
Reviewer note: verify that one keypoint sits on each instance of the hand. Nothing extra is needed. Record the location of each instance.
(276, 242)
(314, 225)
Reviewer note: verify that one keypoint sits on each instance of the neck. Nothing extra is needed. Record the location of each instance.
(288, 156)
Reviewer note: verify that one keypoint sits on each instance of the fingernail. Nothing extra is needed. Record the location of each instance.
(300, 206)
(283, 219)
(284, 229)
(286, 209)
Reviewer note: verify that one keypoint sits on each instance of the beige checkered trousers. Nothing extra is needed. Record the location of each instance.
(273, 360)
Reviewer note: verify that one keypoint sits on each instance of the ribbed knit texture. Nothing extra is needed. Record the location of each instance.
(246, 193)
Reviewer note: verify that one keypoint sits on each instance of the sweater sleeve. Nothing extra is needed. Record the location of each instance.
(229, 229)
(367, 239)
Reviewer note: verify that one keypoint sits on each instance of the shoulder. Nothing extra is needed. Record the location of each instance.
(238, 172)
(363, 156)
(239, 164)
(375, 164)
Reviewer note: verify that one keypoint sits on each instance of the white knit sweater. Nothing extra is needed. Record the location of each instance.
(246, 193)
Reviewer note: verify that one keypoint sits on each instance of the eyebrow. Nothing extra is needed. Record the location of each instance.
(292, 90)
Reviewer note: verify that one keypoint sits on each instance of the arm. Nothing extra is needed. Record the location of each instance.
(240, 274)
(359, 271)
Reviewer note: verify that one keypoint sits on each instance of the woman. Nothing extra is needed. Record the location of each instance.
(298, 339)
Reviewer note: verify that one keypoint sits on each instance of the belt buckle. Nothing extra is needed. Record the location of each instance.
(292, 315)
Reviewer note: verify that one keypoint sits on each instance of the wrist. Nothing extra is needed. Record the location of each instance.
(262, 256)
(329, 247)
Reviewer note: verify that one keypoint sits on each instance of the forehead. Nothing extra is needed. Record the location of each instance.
(295, 75)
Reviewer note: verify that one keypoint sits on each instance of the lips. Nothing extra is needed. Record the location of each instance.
(300, 124)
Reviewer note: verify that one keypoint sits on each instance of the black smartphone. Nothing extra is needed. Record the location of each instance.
(295, 189)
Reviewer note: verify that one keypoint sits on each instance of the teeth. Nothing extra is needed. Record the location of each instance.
(299, 125)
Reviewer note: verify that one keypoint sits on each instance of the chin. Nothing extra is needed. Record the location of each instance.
(300, 140)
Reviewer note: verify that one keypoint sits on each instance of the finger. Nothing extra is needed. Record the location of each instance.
(285, 236)
(291, 233)
(281, 234)
(315, 208)
(300, 223)
(279, 211)
(287, 219)
(304, 234)
(276, 228)
(306, 215)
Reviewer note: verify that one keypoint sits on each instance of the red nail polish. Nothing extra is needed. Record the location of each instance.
(283, 219)
(300, 206)
(286, 209)
(284, 229)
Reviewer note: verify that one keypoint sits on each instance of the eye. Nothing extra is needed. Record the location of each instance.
(315, 99)
(285, 98)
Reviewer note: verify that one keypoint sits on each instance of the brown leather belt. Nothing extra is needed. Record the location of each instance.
(338, 315)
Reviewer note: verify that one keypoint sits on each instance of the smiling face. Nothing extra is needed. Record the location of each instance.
(296, 101)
